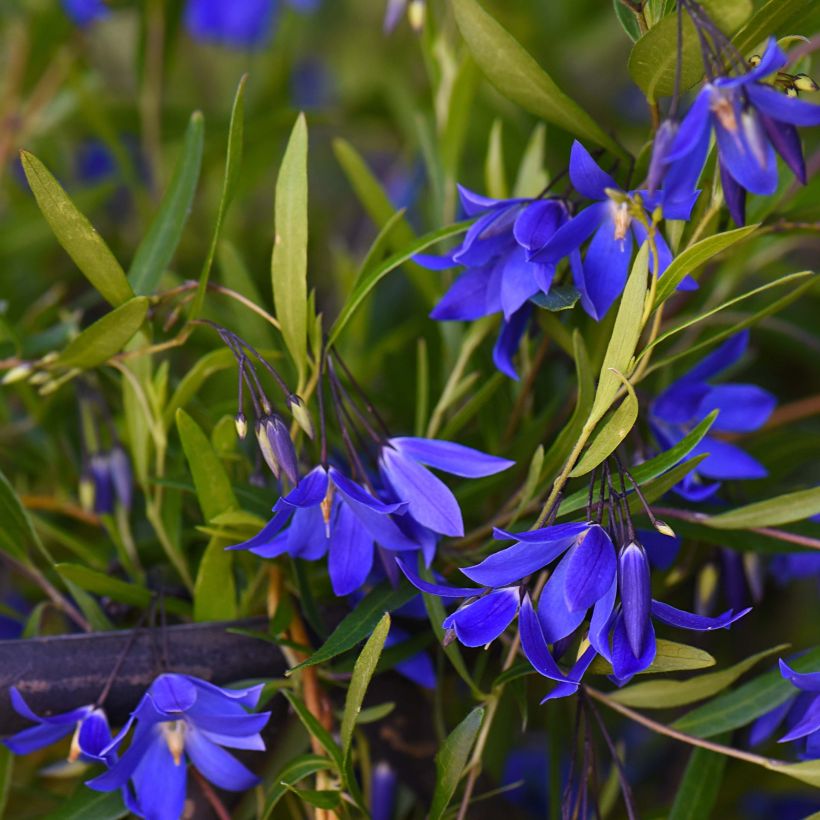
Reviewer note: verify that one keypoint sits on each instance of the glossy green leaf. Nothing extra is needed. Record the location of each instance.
(653, 58)
(665, 694)
(626, 17)
(693, 257)
(561, 297)
(669, 657)
(359, 623)
(514, 72)
(160, 242)
(749, 701)
(319, 798)
(289, 260)
(205, 366)
(296, 770)
(372, 278)
(215, 589)
(362, 674)
(610, 433)
(85, 804)
(76, 234)
(783, 509)
(233, 163)
(700, 786)
(451, 760)
(106, 337)
(778, 17)
(17, 533)
(624, 339)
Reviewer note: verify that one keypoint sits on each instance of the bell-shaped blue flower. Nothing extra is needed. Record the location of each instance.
(611, 223)
(88, 723)
(183, 719)
(742, 408)
(751, 120)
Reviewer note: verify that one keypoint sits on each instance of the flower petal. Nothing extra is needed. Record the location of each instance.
(442, 590)
(586, 175)
(517, 282)
(764, 727)
(450, 457)
(746, 153)
(160, 783)
(217, 765)
(37, 737)
(557, 619)
(310, 491)
(730, 352)
(624, 662)
(605, 267)
(538, 222)
(697, 623)
(351, 552)
(534, 642)
(590, 569)
(572, 235)
(725, 461)
(807, 681)
(782, 108)
(466, 298)
(743, 407)
(809, 723)
(635, 590)
(482, 621)
(690, 137)
(506, 345)
(173, 694)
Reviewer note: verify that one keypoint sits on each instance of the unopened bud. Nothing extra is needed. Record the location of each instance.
(86, 492)
(280, 440)
(301, 415)
(449, 637)
(241, 424)
(664, 138)
(40, 377)
(416, 13)
(802, 82)
(18, 373)
(663, 528)
(265, 448)
(121, 476)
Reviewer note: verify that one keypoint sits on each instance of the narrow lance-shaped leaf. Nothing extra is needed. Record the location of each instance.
(106, 337)
(362, 673)
(783, 509)
(699, 788)
(76, 234)
(17, 532)
(514, 72)
(233, 163)
(159, 244)
(451, 760)
(289, 260)
(670, 656)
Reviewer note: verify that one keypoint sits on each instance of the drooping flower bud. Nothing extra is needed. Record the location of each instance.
(635, 590)
(18, 373)
(241, 424)
(301, 415)
(86, 491)
(802, 82)
(664, 137)
(663, 528)
(266, 448)
(100, 469)
(277, 448)
(121, 476)
(416, 13)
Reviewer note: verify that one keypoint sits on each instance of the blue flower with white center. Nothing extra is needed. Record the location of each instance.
(611, 222)
(742, 408)
(331, 514)
(800, 714)
(751, 120)
(499, 276)
(180, 719)
(88, 723)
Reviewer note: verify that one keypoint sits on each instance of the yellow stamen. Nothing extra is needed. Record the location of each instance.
(725, 112)
(327, 506)
(174, 733)
(74, 751)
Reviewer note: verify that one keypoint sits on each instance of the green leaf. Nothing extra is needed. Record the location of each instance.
(362, 673)
(627, 19)
(696, 255)
(609, 435)
(157, 248)
(289, 260)
(17, 532)
(561, 297)
(654, 467)
(669, 657)
(214, 590)
(6, 768)
(76, 234)
(624, 339)
(514, 72)
(360, 623)
(665, 694)
(106, 337)
(806, 772)
(451, 760)
(532, 178)
(296, 770)
(320, 798)
(204, 367)
(369, 280)
(783, 509)
(653, 58)
(778, 17)
(700, 786)
(751, 700)
(85, 804)
(495, 175)
(233, 163)
(315, 729)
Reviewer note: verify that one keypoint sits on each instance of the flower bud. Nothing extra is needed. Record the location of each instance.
(277, 448)
(241, 424)
(663, 528)
(416, 13)
(633, 579)
(121, 476)
(266, 448)
(18, 373)
(664, 137)
(802, 82)
(301, 415)
(86, 492)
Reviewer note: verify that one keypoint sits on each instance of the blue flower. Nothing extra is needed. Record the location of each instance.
(800, 713)
(182, 718)
(612, 223)
(88, 723)
(751, 120)
(499, 275)
(742, 408)
(85, 12)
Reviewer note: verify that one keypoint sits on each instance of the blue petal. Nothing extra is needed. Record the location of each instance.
(441, 590)
(573, 234)
(517, 282)
(482, 621)
(786, 141)
(635, 591)
(605, 268)
(209, 692)
(269, 541)
(586, 175)
(433, 262)
(591, 567)
(725, 461)
(718, 360)
(20, 706)
(524, 558)
(306, 536)
(734, 194)
(534, 642)
(173, 694)
(693, 133)
(545, 535)
(37, 737)
(466, 299)
(782, 108)
(743, 407)
(807, 681)
(429, 500)
(351, 553)
(774, 58)
(474, 204)
(230, 725)
(747, 154)
(357, 496)
(538, 222)
(506, 346)
(557, 620)
(679, 403)
(624, 663)
(309, 492)
(95, 734)
(160, 783)
(145, 737)
(809, 724)
(248, 24)
(601, 621)
(697, 623)
(450, 457)
(570, 687)
(662, 550)
(217, 765)
(763, 728)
